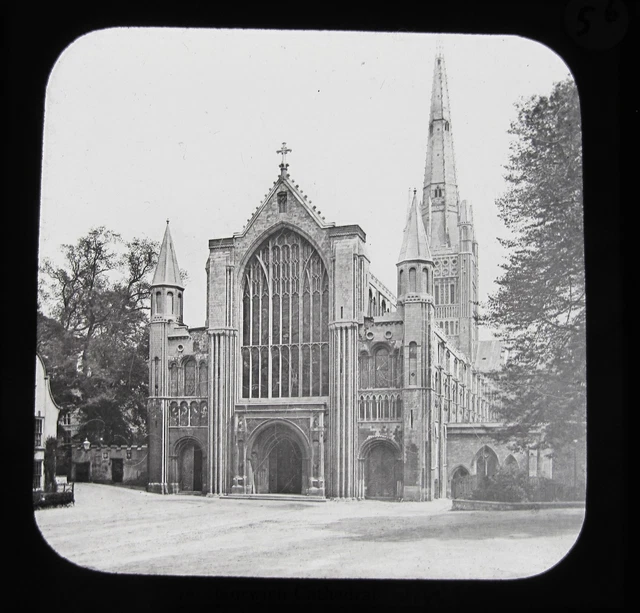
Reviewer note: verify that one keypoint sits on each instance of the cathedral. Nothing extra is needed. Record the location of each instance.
(310, 377)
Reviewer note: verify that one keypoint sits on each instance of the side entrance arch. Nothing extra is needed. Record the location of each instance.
(462, 483)
(380, 467)
(189, 465)
(278, 460)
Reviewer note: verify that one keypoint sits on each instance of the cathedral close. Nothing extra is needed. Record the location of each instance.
(310, 377)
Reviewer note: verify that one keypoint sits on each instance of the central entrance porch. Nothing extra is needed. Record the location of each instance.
(275, 456)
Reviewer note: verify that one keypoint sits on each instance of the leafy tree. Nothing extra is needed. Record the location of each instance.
(539, 307)
(94, 339)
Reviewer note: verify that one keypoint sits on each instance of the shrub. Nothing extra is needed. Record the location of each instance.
(42, 500)
(508, 484)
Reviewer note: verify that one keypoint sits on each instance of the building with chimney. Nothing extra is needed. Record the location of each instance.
(309, 376)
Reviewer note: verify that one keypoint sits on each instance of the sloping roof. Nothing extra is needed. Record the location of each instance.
(489, 356)
(167, 270)
(415, 245)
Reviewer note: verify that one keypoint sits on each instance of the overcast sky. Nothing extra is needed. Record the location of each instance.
(142, 125)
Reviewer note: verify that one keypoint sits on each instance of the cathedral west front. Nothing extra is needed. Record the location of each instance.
(310, 377)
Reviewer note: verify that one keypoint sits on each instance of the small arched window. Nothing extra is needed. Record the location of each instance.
(401, 283)
(412, 279)
(413, 363)
(203, 379)
(173, 380)
(425, 280)
(382, 368)
(156, 375)
(190, 378)
(170, 303)
(159, 302)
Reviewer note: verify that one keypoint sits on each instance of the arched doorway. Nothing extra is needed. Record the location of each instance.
(278, 459)
(380, 477)
(285, 468)
(461, 483)
(190, 466)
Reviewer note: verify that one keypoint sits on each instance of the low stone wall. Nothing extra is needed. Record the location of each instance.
(487, 505)
(96, 464)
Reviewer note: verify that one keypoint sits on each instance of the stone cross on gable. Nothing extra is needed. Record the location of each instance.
(284, 152)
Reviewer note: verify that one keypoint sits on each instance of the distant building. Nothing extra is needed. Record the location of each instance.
(46, 421)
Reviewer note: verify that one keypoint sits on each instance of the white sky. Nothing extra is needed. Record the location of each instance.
(142, 125)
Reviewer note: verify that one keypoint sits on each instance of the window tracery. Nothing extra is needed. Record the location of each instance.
(285, 308)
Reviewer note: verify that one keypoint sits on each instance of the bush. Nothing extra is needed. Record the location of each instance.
(508, 484)
(42, 500)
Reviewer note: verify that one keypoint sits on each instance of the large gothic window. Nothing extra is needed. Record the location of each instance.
(285, 320)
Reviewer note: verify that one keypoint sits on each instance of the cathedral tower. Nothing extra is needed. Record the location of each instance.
(449, 225)
(166, 314)
(415, 305)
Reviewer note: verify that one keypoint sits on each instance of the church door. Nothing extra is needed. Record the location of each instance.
(191, 468)
(117, 470)
(380, 473)
(285, 468)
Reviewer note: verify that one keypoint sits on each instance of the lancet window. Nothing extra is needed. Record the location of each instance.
(285, 319)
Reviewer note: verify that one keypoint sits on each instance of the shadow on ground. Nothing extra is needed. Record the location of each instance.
(456, 526)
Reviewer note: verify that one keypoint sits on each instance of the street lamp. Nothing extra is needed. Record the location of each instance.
(86, 445)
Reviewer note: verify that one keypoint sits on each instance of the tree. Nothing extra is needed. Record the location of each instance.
(539, 307)
(94, 339)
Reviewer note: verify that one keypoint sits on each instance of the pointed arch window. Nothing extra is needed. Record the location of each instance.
(285, 324)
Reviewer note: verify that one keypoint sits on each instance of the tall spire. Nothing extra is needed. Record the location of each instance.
(415, 246)
(440, 181)
(167, 270)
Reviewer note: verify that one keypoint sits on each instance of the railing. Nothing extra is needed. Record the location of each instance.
(380, 405)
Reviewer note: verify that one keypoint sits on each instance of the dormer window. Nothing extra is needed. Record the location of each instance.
(282, 202)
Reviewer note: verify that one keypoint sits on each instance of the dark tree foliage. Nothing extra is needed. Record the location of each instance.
(94, 340)
(539, 307)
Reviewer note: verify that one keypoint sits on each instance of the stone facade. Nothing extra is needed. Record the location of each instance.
(109, 464)
(46, 413)
(310, 377)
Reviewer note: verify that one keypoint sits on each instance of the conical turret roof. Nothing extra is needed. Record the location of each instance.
(415, 245)
(167, 270)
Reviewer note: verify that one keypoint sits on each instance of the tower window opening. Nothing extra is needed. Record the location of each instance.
(282, 202)
(412, 279)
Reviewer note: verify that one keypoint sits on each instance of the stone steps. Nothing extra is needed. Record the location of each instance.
(281, 497)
